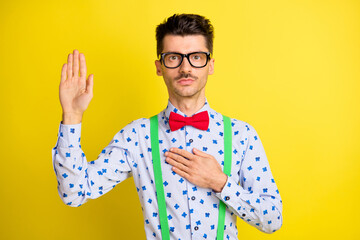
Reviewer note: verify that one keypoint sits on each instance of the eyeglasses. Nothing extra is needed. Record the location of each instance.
(174, 59)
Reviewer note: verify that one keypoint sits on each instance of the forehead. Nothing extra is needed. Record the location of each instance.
(184, 44)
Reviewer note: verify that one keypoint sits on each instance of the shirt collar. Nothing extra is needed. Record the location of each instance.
(170, 108)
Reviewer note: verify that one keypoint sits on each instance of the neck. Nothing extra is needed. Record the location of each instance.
(188, 106)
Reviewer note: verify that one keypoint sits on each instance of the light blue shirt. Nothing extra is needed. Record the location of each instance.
(250, 192)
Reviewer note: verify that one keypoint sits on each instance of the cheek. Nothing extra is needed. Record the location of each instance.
(168, 79)
(203, 75)
(169, 75)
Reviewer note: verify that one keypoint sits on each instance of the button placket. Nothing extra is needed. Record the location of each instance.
(193, 197)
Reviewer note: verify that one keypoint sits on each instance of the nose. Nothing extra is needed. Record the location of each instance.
(185, 66)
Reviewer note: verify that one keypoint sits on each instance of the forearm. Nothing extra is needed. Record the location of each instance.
(70, 166)
(71, 176)
(263, 211)
(252, 192)
(79, 180)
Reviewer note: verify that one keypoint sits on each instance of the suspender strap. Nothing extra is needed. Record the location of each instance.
(155, 151)
(227, 171)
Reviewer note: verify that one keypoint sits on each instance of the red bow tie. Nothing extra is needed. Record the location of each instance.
(199, 120)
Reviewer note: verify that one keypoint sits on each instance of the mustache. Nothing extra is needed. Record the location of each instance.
(187, 75)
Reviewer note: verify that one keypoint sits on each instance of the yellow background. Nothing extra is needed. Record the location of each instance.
(289, 68)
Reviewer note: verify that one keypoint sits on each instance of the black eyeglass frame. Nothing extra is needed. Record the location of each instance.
(162, 55)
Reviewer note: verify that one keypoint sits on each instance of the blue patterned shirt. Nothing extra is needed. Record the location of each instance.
(250, 192)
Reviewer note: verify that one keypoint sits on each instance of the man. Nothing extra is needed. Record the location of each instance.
(191, 153)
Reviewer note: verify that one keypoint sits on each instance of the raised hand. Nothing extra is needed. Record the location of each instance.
(75, 90)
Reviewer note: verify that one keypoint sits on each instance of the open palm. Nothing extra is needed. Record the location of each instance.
(75, 90)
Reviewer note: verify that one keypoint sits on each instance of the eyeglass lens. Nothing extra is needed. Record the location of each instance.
(174, 60)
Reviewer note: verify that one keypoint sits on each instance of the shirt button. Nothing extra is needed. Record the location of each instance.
(191, 140)
(196, 228)
(193, 198)
(243, 215)
(227, 198)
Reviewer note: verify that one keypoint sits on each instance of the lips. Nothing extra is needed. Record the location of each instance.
(186, 81)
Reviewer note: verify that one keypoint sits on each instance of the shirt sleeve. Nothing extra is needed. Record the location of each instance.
(256, 198)
(79, 180)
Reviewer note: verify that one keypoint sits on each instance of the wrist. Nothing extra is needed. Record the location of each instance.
(220, 182)
(71, 118)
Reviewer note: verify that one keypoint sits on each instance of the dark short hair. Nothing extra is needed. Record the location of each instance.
(183, 25)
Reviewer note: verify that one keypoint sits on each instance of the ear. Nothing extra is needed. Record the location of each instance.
(211, 66)
(158, 68)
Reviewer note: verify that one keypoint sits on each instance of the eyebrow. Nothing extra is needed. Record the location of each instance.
(185, 53)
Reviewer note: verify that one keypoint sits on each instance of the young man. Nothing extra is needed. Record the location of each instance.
(190, 142)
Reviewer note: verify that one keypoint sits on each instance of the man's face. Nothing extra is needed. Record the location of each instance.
(185, 81)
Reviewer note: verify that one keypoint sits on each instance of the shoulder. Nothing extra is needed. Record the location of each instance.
(239, 127)
(239, 124)
(135, 126)
(242, 128)
(129, 135)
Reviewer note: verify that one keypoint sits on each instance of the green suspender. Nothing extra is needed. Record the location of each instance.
(154, 132)
(227, 171)
(155, 151)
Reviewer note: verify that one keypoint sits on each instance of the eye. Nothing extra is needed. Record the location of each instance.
(196, 57)
(173, 57)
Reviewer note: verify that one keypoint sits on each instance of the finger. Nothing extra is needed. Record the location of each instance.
(90, 84)
(70, 66)
(200, 153)
(178, 158)
(76, 63)
(182, 152)
(82, 66)
(181, 173)
(178, 165)
(63, 72)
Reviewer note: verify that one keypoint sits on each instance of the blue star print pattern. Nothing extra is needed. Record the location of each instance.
(250, 193)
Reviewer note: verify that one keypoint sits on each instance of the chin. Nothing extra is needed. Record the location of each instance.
(186, 93)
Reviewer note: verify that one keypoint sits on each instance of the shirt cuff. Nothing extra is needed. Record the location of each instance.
(230, 195)
(69, 136)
